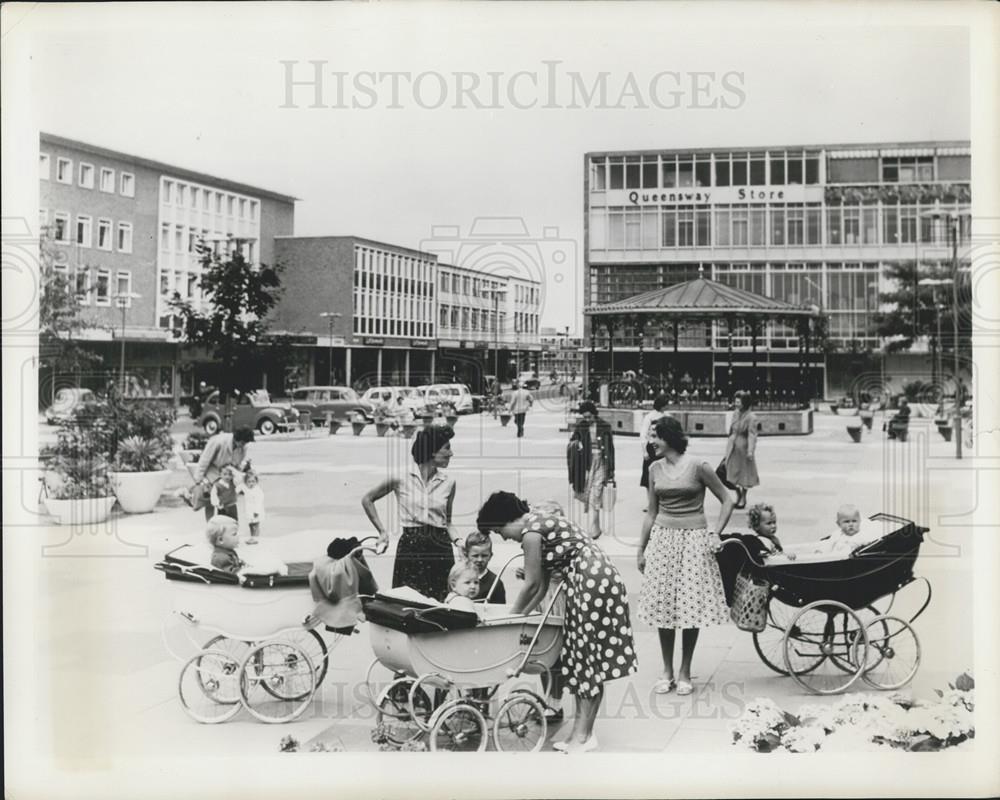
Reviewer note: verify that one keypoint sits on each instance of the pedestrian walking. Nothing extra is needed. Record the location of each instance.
(681, 583)
(221, 451)
(425, 494)
(520, 401)
(646, 434)
(597, 633)
(590, 458)
(740, 458)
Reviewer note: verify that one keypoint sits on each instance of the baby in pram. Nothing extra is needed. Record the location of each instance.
(223, 536)
(847, 538)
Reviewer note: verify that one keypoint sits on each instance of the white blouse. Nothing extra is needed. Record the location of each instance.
(423, 503)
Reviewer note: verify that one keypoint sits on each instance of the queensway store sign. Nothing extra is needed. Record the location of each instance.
(710, 195)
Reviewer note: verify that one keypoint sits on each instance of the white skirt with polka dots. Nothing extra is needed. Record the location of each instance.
(681, 586)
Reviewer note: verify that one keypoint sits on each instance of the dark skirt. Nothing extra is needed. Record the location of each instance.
(424, 557)
(647, 462)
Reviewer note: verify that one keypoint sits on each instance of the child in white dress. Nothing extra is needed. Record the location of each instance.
(253, 503)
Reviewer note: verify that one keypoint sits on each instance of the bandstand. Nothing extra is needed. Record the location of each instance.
(698, 342)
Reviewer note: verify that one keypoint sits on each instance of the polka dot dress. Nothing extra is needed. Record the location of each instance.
(597, 634)
(681, 586)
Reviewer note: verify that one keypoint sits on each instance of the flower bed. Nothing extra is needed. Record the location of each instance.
(862, 722)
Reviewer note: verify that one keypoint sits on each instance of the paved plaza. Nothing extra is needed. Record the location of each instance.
(106, 631)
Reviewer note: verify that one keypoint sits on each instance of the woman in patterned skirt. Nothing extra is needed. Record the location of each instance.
(682, 586)
(597, 634)
(425, 493)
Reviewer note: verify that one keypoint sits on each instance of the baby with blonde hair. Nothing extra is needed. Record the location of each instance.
(223, 535)
(463, 585)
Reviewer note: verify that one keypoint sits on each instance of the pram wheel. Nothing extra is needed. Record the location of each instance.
(826, 647)
(459, 727)
(208, 686)
(236, 649)
(312, 644)
(893, 653)
(394, 712)
(520, 726)
(277, 681)
(770, 642)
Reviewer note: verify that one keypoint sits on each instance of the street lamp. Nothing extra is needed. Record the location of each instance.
(953, 222)
(935, 282)
(124, 300)
(496, 294)
(331, 317)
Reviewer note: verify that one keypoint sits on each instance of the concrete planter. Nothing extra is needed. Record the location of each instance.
(504, 419)
(867, 418)
(381, 428)
(138, 492)
(333, 426)
(452, 419)
(854, 431)
(408, 430)
(358, 427)
(88, 511)
(945, 431)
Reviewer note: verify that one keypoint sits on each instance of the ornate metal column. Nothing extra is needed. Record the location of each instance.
(808, 360)
(755, 390)
(729, 353)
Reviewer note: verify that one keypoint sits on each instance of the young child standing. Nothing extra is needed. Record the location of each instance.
(763, 521)
(478, 552)
(253, 503)
(223, 535)
(223, 494)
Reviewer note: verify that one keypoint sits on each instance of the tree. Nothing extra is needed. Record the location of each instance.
(60, 318)
(232, 322)
(913, 314)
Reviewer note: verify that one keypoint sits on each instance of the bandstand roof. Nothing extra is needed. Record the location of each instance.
(702, 297)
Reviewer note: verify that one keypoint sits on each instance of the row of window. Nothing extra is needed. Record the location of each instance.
(99, 285)
(392, 283)
(764, 168)
(475, 286)
(670, 170)
(380, 314)
(203, 198)
(392, 294)
(791, 224)
(87, 233)
(183, 239)
(471, 319)
(87, 175)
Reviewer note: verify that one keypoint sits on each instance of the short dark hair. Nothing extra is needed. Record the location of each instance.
(745, 397)
(670, 431)
(243, 434)
(499, 509)
(429, 441)
(660, 402)
(585, 406)
(477, 539)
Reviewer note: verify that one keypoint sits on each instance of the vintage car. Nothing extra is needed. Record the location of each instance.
(252, 409)
(342, 401)
(70, 401)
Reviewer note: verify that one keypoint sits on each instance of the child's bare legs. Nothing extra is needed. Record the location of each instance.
(583, 721)
(254, 532)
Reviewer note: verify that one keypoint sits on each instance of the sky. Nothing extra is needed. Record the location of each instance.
(208, 88)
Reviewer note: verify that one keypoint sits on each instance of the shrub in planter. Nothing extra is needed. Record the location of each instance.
(139, 473)
(76, 484)
(358, 423)
(196, 441)
(854, 431)
(382, 419)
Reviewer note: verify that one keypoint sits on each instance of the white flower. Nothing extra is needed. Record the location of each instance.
(804, 739)
(847, 740)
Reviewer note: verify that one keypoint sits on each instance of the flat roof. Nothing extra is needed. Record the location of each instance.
(761, 148)
(160, 166)
(361, 240)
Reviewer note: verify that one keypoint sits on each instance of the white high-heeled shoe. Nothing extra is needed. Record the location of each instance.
(571, 747)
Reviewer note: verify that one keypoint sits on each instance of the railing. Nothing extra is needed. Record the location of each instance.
(640, 395)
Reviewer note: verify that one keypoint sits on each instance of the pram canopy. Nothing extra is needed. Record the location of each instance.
(184, 564)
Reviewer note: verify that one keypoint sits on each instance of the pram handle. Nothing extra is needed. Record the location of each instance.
(738, 543)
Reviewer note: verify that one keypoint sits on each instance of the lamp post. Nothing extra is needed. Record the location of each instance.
(331, 317)
(496, 294)
(124, 301)
(953, 223)
(934, 283)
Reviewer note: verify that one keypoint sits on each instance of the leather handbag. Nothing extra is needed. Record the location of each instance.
(723, 476)
(610, 495)
(749, 609)
(201, 495)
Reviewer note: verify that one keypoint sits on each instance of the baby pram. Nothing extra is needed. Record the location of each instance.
(449, 666)
(264, 653)
(823, 627)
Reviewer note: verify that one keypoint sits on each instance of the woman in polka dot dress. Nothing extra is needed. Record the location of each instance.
(681, 585)
(597, 635)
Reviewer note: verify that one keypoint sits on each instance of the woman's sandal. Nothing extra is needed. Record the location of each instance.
(553, 714)
(664, 686)
(684, 688)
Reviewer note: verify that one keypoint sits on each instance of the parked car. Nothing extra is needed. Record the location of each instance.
(68, 400)
(412, 398)
(458, 394)
(253, 409)
(342, 401)
(529, 380)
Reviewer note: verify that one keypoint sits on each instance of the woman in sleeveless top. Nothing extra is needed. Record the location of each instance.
(681, 586)
(597, 634)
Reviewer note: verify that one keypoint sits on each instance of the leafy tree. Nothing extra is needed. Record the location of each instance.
(60, 318)
(232, 323)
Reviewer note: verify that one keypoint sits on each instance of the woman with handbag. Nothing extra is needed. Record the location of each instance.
(681, 585)
(590, 457)
(740, 462)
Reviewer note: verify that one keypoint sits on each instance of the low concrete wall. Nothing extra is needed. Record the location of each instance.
(627, 422)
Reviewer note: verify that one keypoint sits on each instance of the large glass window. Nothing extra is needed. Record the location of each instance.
(890, 225)
(703, 170)
(632, 173)
(834, 229)
(633, 228)
(649, 172)
(598, 226)
(794, 170)
(758, 169)
(722, 170)
(669, 171)
(813, 224)
(758, 226)
(685, 227)
(669, 227)
(908, 224)
(685, 171)
(650, 229)
(740, 169)
(616, 174)
(703, 227)
(796, 224)
(777, 169)
(740, 226)
(616, 230)
(722, 217)
(812, 168)
(777, 226)
(869, 219)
